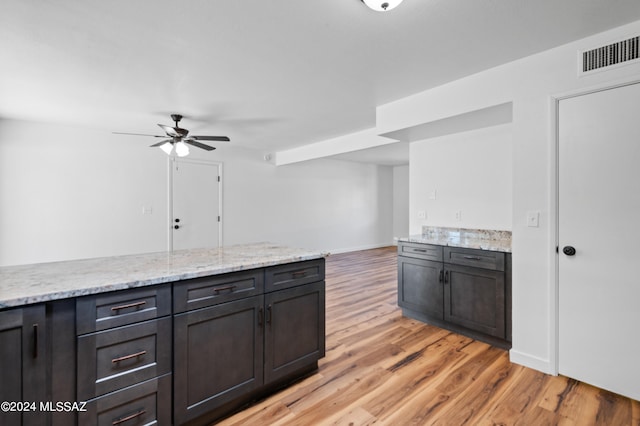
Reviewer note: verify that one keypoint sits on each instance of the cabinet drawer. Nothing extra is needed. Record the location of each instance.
(478, 258)
(202, 292)
(294, 274)
(420, 251)
(113, 359)
(148, 403)
(104, 311)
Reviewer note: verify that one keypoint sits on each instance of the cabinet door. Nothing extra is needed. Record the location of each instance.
(23, 363)
(294, 329)
(217, 356)
(475, 298)
(420, 286)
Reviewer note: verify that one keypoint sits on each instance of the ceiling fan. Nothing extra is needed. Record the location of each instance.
(179, 138)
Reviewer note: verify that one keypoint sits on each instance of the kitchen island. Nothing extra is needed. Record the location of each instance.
(178, 338)
(458, 279)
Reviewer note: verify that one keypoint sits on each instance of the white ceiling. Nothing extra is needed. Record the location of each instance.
(270, 74)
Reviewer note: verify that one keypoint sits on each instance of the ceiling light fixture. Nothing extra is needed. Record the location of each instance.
(381, 5)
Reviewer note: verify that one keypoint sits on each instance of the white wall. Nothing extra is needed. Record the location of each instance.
(530, 83)
(70, 192)
(468, 172)
(401, 201)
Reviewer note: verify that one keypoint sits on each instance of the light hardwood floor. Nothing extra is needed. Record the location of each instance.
(382, 368)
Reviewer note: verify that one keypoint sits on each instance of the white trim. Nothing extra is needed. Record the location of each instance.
(530, 361)
(553, 236)
(365, 247)
(554, 326)
(169, 203)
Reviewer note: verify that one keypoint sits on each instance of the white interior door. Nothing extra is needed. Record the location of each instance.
(599, 210)
(195, 221)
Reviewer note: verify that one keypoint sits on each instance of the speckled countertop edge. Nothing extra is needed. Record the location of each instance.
(482, 239)
(42, 282)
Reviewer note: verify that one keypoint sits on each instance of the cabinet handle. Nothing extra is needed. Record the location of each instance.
(129, 305)
(446, 277)
(219, 289)
(35, 340)
(441, 275)
(298, 274)
(420, 250)
(260, 316)
(129, 417)
(126, 357)
(269, 314)
(473, 257)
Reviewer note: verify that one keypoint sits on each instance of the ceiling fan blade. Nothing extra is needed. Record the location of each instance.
(138, 134)
(161, 143)
(198, 144)
(170, 130)
(210, 138)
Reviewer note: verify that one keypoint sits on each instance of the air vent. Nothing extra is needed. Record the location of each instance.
(622, 52)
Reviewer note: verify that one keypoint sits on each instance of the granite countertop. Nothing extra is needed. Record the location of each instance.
(42, 282)
(483, 239)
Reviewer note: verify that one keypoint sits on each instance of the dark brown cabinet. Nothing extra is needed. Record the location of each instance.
(241, 334)
(23, 361)
(420, 286)
(475, 298)
(218, 356)
(465, 290)
(294, 330)
(124, 356)
(184, 353)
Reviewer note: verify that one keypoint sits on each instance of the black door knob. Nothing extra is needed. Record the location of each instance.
(177, 220)
(569, 251)
(176, 227)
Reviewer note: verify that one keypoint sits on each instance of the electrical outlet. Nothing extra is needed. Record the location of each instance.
(458, 215)
(422, 214)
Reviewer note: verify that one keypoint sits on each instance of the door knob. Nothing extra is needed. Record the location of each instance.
(176, 227)
(569, 250)
(177, 220)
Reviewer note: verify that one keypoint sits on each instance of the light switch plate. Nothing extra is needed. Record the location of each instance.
(422, 214)
(533, 219)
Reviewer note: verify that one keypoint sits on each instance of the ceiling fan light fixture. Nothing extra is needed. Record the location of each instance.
(382, 5)
(167, 148)
(182, 150)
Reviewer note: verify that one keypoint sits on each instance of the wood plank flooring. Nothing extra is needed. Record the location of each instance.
(384, 369)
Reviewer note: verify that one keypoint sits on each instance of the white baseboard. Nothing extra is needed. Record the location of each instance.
(530, 361)
(366, 247)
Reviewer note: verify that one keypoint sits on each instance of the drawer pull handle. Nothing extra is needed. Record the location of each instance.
(473, 257)
(129, 305)
(129, 417)
(420, 250)
(298, 274)
(269, 314)
(219, 289)
(126, 357)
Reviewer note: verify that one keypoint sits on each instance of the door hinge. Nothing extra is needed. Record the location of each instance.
(218, 178)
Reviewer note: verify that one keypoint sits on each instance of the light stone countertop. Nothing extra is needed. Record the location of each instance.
(466, 238)
(42, 282)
